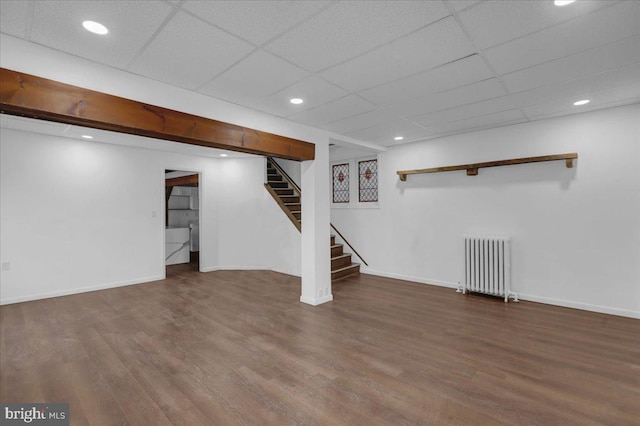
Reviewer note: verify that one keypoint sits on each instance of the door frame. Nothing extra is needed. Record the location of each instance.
(201, 212)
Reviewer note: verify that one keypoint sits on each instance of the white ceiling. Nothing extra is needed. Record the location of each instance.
(370, 70)
(51, 128)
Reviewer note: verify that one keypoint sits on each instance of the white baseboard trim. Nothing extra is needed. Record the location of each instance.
(529, 297)
(68, 292)
(316, 302)
(235, 268)
(283, 271)
(579, 305)
(411, 278)
(248, 268)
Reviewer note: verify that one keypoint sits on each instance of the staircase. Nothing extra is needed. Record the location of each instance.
(287, 195)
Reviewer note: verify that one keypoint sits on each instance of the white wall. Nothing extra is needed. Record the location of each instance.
(78, 215)
(254, 232)
(575, 232)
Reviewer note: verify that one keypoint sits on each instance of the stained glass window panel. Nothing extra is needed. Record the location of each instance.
(368, 181)
(341, 183)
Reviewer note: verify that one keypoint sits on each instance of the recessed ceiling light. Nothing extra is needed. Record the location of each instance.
(95, 27)
(398, 138)
(296, 101)
(87, 136)
(563, 2)
(223, 155)
(582, 102)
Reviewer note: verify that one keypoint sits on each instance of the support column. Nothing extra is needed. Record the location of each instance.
(316, 254)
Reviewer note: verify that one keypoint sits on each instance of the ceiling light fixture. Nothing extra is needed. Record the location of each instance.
(223, 155)
(398, 138)
(296, 101)
(563, 2)
(95, 27)
(87, 136)
(582, 102)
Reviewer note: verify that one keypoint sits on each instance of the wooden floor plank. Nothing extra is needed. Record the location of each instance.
(237, 347)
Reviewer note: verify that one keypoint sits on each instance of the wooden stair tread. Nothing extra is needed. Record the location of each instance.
(341, 256)
(344, 268)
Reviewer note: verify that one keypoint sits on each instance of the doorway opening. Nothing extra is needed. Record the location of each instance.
(182, 220)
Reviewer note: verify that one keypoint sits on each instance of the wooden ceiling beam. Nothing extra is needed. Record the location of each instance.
(31, 96)
(191, 180)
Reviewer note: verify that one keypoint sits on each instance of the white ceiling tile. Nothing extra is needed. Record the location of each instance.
(361, 121)
(257, 21)
(446, 77)
(13, 17)
(495, 21)
(580, 88)
(437, 44)
(486, 121)
(585, 32)
(475, 92)
(253, 78)
(313, 90)
(600, 99)
(466, 111)
(333, 111)
(618, 54)
(459, 5)
(58, 24)
(387, 131)
(350, 28)
(188, 53)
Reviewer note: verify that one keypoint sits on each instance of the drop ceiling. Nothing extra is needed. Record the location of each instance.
(370, 70)
(52, 128)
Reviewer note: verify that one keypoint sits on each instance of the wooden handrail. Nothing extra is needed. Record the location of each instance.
(286, 176)
(472, 169)
(347, 243)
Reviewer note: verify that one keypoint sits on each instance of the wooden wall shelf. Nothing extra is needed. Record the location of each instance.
(472, 169)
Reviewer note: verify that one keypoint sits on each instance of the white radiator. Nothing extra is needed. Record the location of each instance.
(487, 266)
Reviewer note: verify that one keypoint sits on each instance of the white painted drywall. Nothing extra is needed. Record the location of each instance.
(254, 232)
(78, 215)
(576, 232)
(316, 257)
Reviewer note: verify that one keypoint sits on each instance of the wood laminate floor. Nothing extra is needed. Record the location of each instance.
(232, 347)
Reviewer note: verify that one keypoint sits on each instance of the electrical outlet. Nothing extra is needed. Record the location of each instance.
(6, 266)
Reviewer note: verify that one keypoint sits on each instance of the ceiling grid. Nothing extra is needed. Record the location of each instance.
(371, 70)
